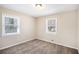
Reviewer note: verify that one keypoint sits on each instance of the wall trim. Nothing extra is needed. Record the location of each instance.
(15, 44)
(59, 44)
(38, 39)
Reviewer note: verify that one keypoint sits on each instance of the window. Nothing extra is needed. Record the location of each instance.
(10, 25)
(51, 25)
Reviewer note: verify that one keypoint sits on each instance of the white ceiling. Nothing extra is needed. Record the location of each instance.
(47, 10)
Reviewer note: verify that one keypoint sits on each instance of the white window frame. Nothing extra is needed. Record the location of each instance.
(47, 31)
(3, 25)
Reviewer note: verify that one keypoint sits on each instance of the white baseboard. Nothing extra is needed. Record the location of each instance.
(39, 39)
(58, 43)
(15, 44)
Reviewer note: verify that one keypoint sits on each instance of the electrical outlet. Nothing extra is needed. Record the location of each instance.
(52, 40)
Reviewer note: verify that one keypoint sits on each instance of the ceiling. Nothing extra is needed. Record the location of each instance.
(47, 10)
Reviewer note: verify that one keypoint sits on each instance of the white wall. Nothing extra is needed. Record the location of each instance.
(27, 29)
(66, 29)
(78, 30)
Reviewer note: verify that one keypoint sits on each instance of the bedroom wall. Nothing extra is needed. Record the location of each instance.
(0, 23)
(78, 30)
(66, 29)
(27, 29)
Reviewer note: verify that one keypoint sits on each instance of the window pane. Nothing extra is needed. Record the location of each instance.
(51, 28)
(10, 29)
(10, 25)
(9, 20)
(51, 22)
(52, 25)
